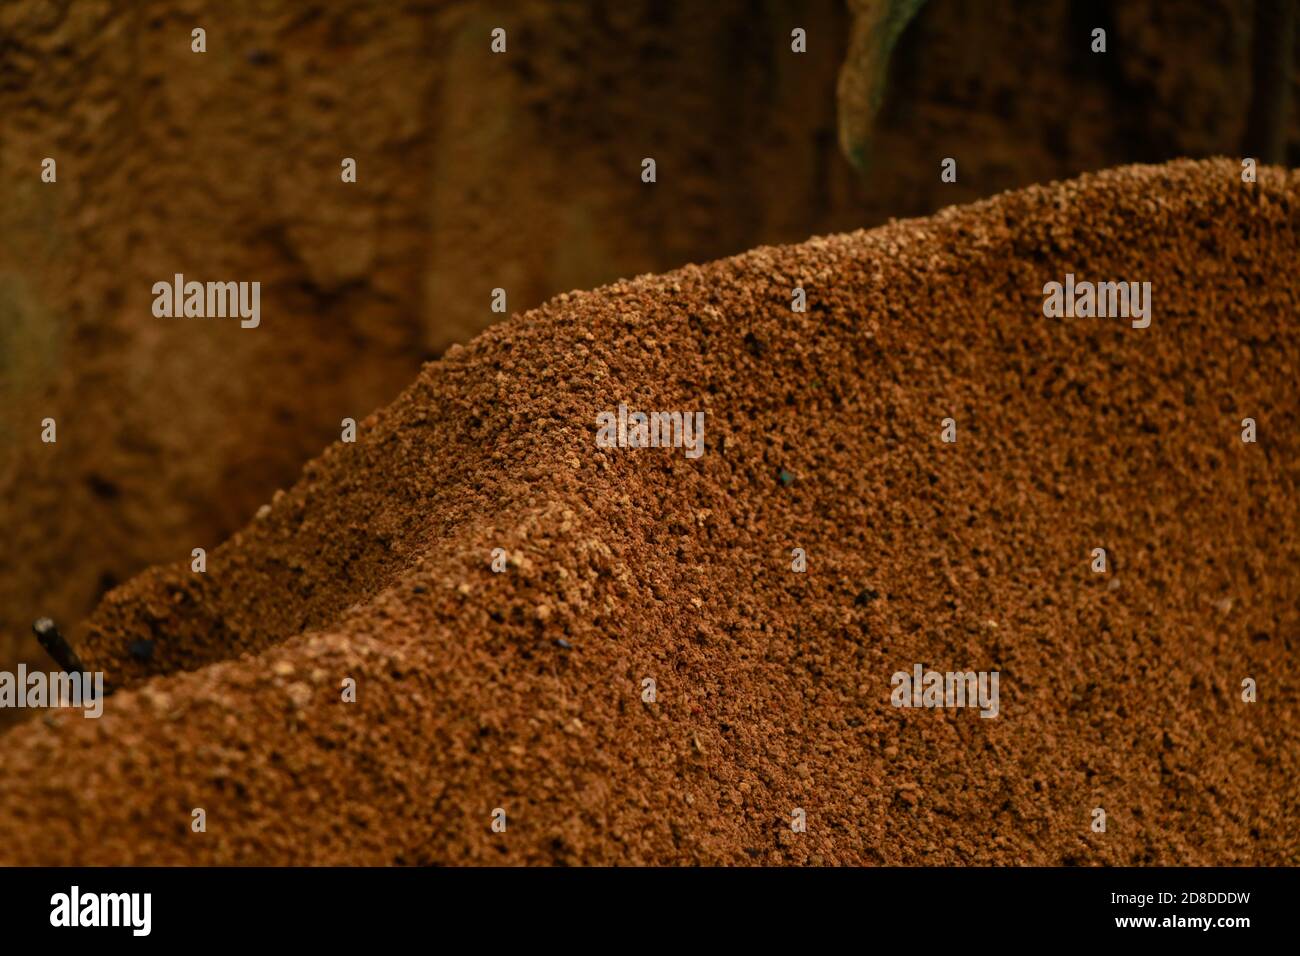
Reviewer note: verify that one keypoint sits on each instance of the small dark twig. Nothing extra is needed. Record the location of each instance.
(57, 646)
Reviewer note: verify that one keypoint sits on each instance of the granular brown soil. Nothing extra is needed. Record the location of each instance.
(476, 171)
(523, 690)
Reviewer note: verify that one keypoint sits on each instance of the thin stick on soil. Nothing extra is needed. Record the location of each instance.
(57, 646)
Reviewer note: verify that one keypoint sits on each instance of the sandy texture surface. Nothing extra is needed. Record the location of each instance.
(523, 690)
(475, 172)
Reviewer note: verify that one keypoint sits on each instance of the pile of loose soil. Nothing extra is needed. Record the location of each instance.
(225, 166)
(524, 690)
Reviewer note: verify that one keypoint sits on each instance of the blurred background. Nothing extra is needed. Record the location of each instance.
(475, 171)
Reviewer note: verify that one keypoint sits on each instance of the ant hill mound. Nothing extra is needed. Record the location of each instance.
(478, 634)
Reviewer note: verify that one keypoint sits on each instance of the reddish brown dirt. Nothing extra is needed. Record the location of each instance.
(1118, 691)
(475, 171)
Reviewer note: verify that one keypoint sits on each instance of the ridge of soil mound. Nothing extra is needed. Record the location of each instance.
(226, 165)
(523, 690)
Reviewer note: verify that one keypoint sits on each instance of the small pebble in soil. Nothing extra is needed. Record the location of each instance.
(785, 477)
(300, 694)
(141, 650)
(561, 642)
